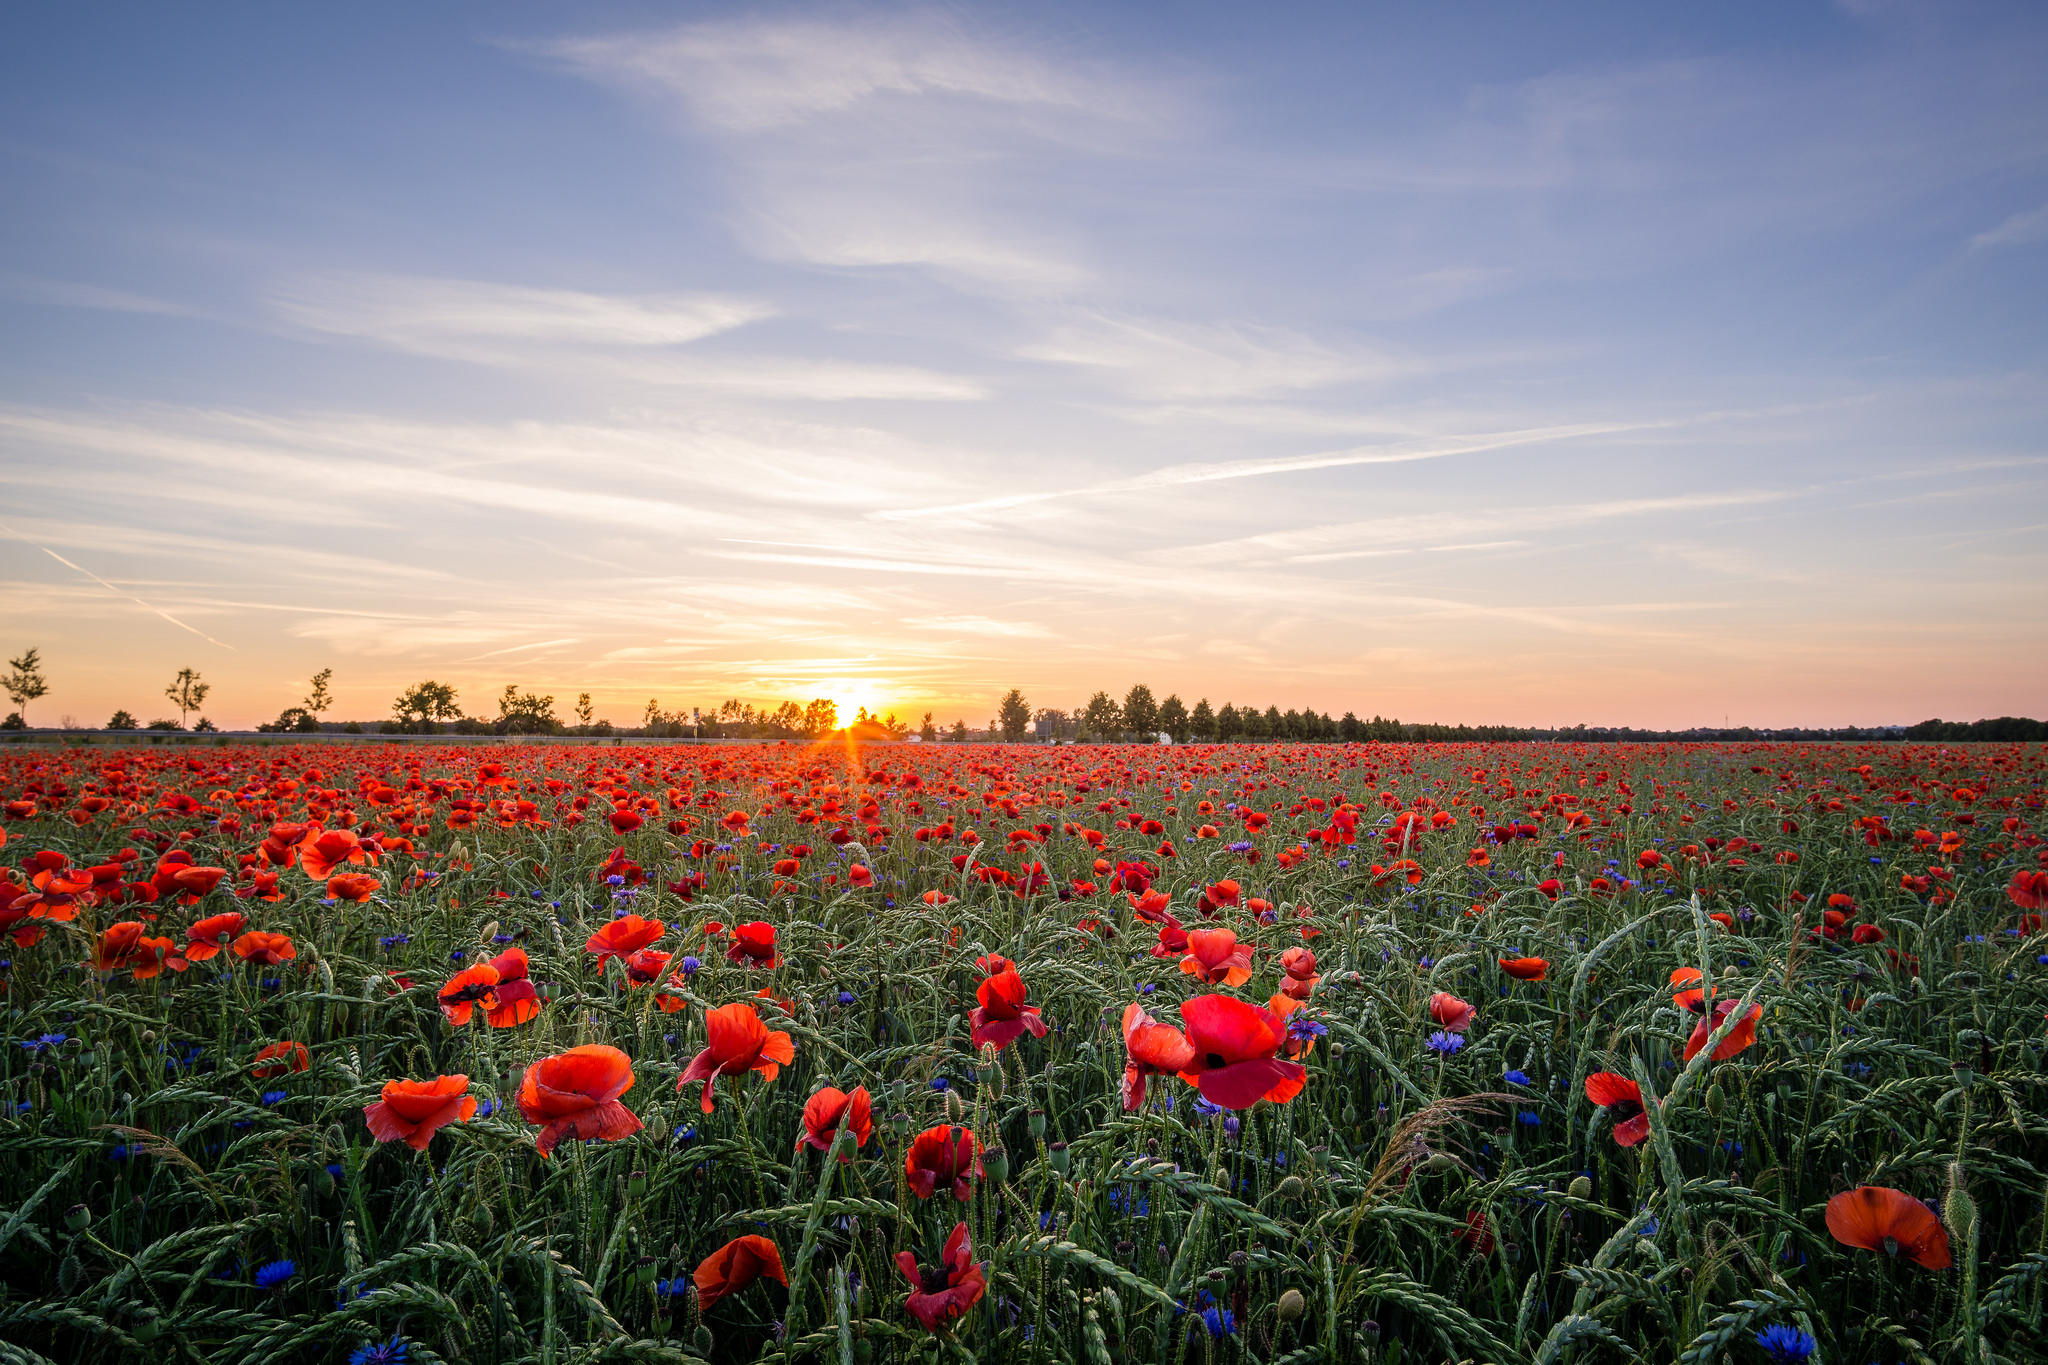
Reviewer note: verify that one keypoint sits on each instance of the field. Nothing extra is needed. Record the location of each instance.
(1541, 1052)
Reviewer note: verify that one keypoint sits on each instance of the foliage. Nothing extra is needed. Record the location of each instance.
(24, 681)
(187, 691)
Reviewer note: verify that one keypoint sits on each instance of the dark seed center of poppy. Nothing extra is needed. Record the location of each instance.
(1214, 1060)
(934, 1279)
(1621, 1111)
(1891, 1246)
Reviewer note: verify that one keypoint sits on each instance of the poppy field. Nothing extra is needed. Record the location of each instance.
(1069, 1054)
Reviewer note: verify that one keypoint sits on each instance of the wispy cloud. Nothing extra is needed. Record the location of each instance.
(2022, 229)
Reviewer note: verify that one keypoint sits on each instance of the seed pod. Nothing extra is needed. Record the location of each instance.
(1580, 1188)
(636, 1183)
(78, 1218)
(1058, 1158)
(1035, 1121)
(996, 1161)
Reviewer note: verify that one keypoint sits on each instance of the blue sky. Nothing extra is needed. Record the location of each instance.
(1623, 364)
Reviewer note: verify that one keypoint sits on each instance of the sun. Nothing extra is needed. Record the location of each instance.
(850, 695)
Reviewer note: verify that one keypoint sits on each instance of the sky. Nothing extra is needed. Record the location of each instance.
(1606, 364)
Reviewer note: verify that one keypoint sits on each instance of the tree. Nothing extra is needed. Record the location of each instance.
(583, 708)
(187, 693)
(26, 682)
(1202, 721)
(959, 732)
(319, 699)
(522, 713)
(1141, 713)
(1101, 717)
(121, 720)
(1015, 713)
(928, 732)
(1173, 718)
(821, 717)
(1276, 725)
(1251, 725)
(419, 706)
(1351, 728)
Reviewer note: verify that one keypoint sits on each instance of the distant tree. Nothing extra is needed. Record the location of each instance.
(1228, 726)
(25, 682)
(523, 713)
(319, 699)
(121, 720)
(959, 734)
(1102, 718)
(165, 724)
(1351, 729)
(928, 732)
(1173, 718)
(187, 693)
(583, 708)
(1141, 712)
(1251, 725)
(821, 717)
(1276, 724)
(1202, 722)
(204, 727)
(293, 718)
(1015, 714)
(421, 705)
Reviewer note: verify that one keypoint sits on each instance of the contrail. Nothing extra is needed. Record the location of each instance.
(118, 592)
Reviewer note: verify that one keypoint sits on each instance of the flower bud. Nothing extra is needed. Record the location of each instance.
(996, 1161)
(956, 1108)
(1580, 1188)
(1291, 1188)
(1057, 1157)
(78, 1218)
(1035, 1120)
(636, 1183)
(1292, 1306)
(1716, 1100)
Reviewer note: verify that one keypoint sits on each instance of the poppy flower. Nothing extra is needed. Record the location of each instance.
(1173, 939)
(1150, 1049)
(1739, 1037)
(515, 1000)
(1692, 997)
(190, 883)
(949, 1289)
(1215, 957)
(464, 991)
(1234, 1043)
(736, 1265)
(737, 1042)
(265, 948)
(110, 950)
(280, 1058)
(576, 1094)
(991, 964)
(1623, 1100)
(753, 945)
(943, 1157)
(1299, 964)
(1891, 1221)
(1452, 1013)
(1525, 968)
(1476, 1234)
(832, 1111)
(624, 936)
(411, 1111)
(624, 821)
(328, 850)
(645, 967)
(860, 875)
(2028, 890)
(355, 887)
(1551, 888)
(1003, 1016)
(202, 940)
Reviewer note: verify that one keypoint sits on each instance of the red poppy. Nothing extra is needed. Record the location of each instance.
(949, 1289)
(576, 1094)
(1741, 1036)
(1476, 1234)
(737, 1042)
(990, 964)
(279, 1058)
(355, 887)
(624, 936)
(464, 991)
(1525, 968)
(411, 1111)
(736, 1265)
(328, 850)
(1003, 1016)
(1623, 1100)
(1300, 980)
(860, 875)
(753, 945)
(190, 883)
(1451, 1012)
(645, 967)
(1234, 1043)
(624, 821)
(1689, 999)
(1891, 1221)
(110, 950)
(202, 940)
(832, 1111)
(265, 948)
(1151, 1049)
(151, 956)
(1215, 957)
(1173, 939)
(2029, 889)
(515, 1000)
(943, 1157)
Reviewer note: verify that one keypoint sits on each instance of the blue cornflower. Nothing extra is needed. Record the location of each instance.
(1786, 1345)
(672, 1289)
(1146, 988)
(275, 1273)
(1529, 1118)
(689, 967)
(846, 997)
(44, 1042)
(616, 879)
(938, 1082)
(456, 956)
(1303, 1029)
(1445, 1043)
(1514, 1078)
(390, 1352)
(387, 943)
(486, 1108)
(271, 1097)
(1220, 1321)
(501, 938)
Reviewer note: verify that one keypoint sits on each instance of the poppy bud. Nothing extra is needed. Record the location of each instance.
(323, 1181)
(657, 1126)
(1292, 1306)
(1035, 1120)
(1958, 1210)
(703, 1341)
(78, 1218)
(1336, 1049)
(480, 1219)
(148, 1329)
(485, 934)
(1440, 1161)
(1350, 1112)
(1056, 1156)
(1291, 1188)
(1716, 1101)
(1321, 1156)
(68, 1271)
(996, 1161)
(956, 1108)
(1580, 1188)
